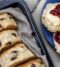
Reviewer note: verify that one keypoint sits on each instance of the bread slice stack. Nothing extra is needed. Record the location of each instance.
(13, 52)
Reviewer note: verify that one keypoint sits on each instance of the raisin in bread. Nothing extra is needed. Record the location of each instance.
(15, 55)
(7, 22)
(32, 63)
(8, 38)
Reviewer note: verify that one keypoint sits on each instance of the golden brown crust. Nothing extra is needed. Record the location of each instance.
(8, 38)
(16, 55)
(33, 63)
(7, 22)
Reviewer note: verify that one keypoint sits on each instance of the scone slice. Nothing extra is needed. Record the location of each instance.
(32, 63)
(7, 22)
(50, 21)
(8, 38)
(56, 39)
(18, 54)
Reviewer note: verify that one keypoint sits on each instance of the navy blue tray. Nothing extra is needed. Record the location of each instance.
(49, 35)
(23, 6)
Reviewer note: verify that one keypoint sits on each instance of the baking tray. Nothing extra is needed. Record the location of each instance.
(23, 6)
